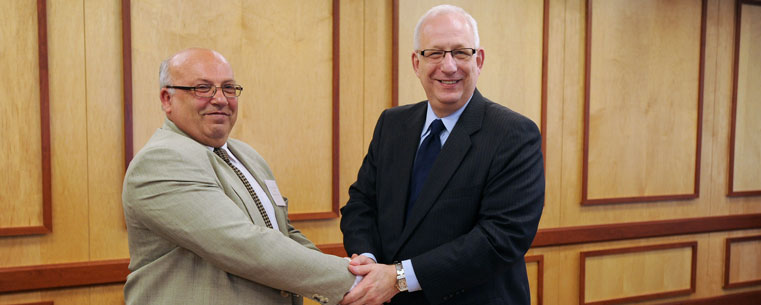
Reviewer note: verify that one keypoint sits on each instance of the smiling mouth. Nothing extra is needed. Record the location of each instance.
(218, 113)
(448, 82)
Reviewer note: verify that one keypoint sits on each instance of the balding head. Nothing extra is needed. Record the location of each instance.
(207, 120)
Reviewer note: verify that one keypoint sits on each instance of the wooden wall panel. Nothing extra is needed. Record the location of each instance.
(535, 271)
(659, 271)
(105, 139)
(25, 152)
(273, 121)
(745, 154)
(643, 91)
(512, 72)
(742, 265)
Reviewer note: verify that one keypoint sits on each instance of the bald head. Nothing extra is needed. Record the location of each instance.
(170, 64)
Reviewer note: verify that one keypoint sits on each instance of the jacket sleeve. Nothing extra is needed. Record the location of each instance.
(177, 196)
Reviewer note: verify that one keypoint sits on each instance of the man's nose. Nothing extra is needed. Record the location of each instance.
(219, 97)
(448, 63)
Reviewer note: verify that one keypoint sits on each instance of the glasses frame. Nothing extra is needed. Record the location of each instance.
(451, 52)
(213, 90)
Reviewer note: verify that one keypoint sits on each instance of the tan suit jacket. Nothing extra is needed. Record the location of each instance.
(196, 236)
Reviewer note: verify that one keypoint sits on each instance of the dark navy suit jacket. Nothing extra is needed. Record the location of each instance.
(476, 214)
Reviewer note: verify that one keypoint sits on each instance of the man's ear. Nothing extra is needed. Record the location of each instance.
(166, 100)
(480, 58)
(415, 62)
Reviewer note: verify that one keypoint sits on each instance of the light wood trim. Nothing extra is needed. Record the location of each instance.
(539, 259)
(37, 303)
(732, 124)
(47, 209)
(587, 80)
(47, 276)
(727, 257)
(582, 264)
(336, 143)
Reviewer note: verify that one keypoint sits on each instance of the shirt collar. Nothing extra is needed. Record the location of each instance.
(449, 121)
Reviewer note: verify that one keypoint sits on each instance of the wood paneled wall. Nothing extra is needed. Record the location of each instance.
(648, 111)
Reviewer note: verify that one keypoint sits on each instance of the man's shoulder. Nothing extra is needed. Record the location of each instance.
(504, 118)
(165, 142)
(405, 109)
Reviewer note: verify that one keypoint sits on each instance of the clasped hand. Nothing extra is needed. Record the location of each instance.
(377, 286)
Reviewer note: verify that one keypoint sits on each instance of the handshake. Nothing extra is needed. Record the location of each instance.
(377, 284)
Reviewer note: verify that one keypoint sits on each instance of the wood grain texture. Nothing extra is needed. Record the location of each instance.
(25, 153)
(280, 129)
(745, 139)
(535, 270)
(105, 138)
(742, 265)
(643, 100)
(630, 274)
(36, 277)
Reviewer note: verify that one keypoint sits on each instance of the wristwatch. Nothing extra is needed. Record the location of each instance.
(401, 280)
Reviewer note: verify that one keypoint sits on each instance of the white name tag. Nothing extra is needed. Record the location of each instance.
(272, 186)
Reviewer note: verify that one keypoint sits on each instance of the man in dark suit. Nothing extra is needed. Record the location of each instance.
(449, 195)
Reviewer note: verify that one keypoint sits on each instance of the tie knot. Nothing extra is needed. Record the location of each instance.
(222, 154)
(436, 127)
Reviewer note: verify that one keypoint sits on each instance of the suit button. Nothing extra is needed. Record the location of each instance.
(284, 293)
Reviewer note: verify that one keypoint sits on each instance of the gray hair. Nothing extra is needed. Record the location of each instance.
(164, 78)
(446, 9)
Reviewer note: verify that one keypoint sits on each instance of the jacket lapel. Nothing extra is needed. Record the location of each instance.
(452, 154)
(403, 149)
(256, 171)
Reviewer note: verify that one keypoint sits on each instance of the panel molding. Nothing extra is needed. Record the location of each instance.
(47, 209)
(48, 276)
(644, 229)
(335, 122)
(733, 122)
(545, 54)
(587, 80)
(727, 261)
(693, 276)
(539, 259)
(744, 298)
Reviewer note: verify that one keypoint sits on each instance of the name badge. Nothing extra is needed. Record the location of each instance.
(272, 186)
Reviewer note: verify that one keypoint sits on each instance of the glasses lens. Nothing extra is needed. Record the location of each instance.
(231, 90)
(204, 90)
(462, 53)
(433, 54)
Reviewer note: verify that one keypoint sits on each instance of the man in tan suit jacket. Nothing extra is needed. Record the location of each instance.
(196, 233)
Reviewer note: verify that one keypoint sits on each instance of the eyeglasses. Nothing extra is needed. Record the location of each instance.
(436, 55)
(204, 90)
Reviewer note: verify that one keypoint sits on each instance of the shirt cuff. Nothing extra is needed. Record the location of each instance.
(409, 274)
(370, 255)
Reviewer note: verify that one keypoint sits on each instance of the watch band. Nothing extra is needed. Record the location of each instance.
(401, 279)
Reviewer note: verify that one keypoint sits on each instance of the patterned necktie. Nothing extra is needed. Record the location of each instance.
(426, 154)
(223, 154)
